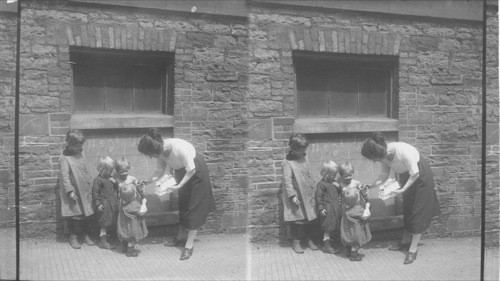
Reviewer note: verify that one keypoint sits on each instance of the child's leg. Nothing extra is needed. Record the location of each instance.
(297, 232)
(87, 227)
(311, 230)
(355, 256)
(131, 252)
(74, 229)
(102, 232)
(326, 236)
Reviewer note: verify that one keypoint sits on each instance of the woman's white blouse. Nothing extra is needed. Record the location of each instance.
(405, 159)
(181, 156)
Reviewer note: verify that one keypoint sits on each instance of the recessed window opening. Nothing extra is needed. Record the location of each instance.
(121, 82)
(345, 86)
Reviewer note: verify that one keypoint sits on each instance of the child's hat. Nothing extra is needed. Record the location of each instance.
(351, 197)
(127, 192)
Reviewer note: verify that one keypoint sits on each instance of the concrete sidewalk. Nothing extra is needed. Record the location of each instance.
(231, 257)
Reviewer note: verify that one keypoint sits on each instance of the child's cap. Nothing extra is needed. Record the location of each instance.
(329, 168)
(105, 163)
(127, 192)
(351, 197)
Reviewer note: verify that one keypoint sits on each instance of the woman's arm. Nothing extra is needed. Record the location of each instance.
(408, 183)
(161, 170)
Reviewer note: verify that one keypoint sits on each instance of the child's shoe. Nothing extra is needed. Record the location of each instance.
(355, 256)
(296, 247)
(88, 241)
(103, 244)
(311, 245)
(327, 248)
(73, 241)
(131, 252)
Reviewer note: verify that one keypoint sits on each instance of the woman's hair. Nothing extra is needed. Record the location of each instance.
(345, 168)
(122, 164)
(374, 147)
(105, 164)
(151, 143)
(298, 141)
(75, 137)
(350, 197)
(329, 168)
(127, 192)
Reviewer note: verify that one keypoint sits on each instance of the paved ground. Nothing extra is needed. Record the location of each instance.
(231, 257)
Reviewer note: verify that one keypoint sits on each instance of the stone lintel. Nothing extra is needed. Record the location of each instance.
(120, 121)
(344, 125)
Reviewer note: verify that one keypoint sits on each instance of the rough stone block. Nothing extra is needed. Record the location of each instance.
(261, 129)
(234, 219)
(31, 124)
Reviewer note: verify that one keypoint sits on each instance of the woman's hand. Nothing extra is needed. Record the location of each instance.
(397, 191)
(174, 188)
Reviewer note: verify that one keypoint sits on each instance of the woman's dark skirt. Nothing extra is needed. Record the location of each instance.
(420, 202)
(196, 199)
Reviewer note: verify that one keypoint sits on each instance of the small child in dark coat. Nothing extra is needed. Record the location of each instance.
(354, 229)
(328, 193)
(105, 199)
(131, 223)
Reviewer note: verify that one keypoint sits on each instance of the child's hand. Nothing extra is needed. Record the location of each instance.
(100, 208)
(73, 196)
(296, 201)
(112, 180)
(323, 213)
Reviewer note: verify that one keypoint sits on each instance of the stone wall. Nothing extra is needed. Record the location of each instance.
(209, 106)
(492, 148)
(8, 39)
(439, 100)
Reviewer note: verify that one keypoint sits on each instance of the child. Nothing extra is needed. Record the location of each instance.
(298, 193)
(354, 230)
(122, 167)
(131, 223)
(105, 198)
(75, 189)
(328, 194)
(346, 181)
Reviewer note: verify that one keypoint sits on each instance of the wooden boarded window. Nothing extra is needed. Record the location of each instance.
(121, 82)
(345, 86)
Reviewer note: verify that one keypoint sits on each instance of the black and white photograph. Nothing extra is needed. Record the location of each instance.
(249, 140)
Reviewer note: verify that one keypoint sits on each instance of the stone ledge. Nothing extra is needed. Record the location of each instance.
(344, 125)
(120, 121)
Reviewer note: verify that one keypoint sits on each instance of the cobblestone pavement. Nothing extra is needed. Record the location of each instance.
(231, 257)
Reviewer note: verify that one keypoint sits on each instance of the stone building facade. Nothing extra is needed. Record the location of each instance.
(231, 89)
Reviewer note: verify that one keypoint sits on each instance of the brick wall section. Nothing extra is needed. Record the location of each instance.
(439, 100)
(210, 91)
(492, 146)
(7, 95)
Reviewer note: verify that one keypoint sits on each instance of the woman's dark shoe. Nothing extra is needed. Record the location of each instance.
(173, 242)
(186, 253)
(297, 247)
(73, 241)
(355, 256)
(410, 257)
(400, 247)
